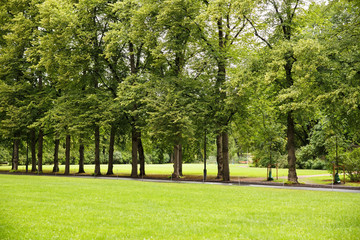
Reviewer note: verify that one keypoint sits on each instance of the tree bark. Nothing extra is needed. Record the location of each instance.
(225, 153)
(12, 155)
(27, 154)
(33, 149)
(56, 156)
(222, 141)
(97, 151)
(180, 160)
(15, 158)
(132, 58)
(292, 176)
(219, 156)
(81, 156)
(171, 155)
(176, 173)
(134, 152)
(141, 156)
(67, 155)
(134, 133)
(40, 149)
(111, 151)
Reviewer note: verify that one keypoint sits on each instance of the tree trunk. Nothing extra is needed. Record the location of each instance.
(176, 173)
(97, 151)
(40, 149)
(141, 156)
(180, 160)
(111, 151)
(33, 149)
(219, 156)
(220, 80)
(292, 176)
(27, 154)
(134, 152)
(225, 153)
(15, 158)
(12, 156)
(134, 133)
(171, 155)
(67, 155)
(238, 149)
(81, 156)
(56, 156)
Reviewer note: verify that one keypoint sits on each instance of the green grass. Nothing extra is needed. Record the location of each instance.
(40, 207)
(328, 180)
(188, 169)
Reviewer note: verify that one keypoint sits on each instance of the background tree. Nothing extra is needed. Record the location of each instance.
(219, 27)
(280, 19)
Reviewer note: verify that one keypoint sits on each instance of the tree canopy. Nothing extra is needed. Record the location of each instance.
(145, 81)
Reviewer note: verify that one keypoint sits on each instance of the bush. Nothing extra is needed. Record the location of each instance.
(318, 164)
(352, 165)
(305, 156)
(283, 162)
(262, 159)
(5, 155)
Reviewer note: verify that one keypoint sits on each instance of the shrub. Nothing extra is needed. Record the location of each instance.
(305, 156)
(318, 164)
(352, 165)
(283, 161)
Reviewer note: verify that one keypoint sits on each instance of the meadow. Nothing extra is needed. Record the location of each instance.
(193, 169)
(43, 207)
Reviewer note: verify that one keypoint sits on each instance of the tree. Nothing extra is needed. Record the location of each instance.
(72, 49)
(19, 78)
(281, 16)
(219, 27)
(131, 36)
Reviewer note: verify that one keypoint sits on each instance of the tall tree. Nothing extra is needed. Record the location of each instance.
(19, 81)
(281, 15)
(220, 27)
(131, 34)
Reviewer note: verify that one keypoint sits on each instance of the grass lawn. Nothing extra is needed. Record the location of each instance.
(188, 169)
(328, 180)
(41, 207)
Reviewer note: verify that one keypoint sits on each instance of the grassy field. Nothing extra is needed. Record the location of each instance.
(328, 180)
(188, 169)
(41, 207)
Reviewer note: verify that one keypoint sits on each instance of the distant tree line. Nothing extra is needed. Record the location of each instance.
(279, 78)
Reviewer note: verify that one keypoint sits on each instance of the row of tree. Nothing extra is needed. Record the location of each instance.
(270, 73)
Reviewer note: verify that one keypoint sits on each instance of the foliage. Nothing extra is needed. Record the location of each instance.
(352, 165)
(274, 75)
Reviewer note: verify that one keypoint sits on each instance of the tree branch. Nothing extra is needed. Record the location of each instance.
(206, 40)
(237, 34)
(257, 34)
(277, 12)
(296, 5)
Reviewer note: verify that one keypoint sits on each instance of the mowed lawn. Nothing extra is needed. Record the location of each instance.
(236, 170)
(43, 207)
